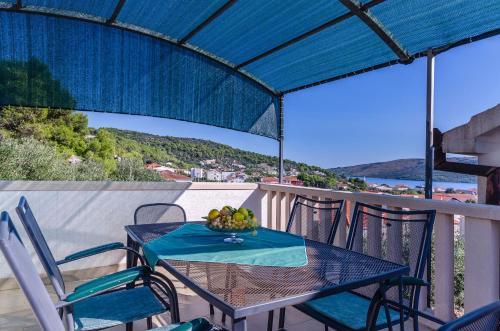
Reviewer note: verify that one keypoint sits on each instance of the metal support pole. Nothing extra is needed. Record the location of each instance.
(281, 138)
(429, 152)
(429, 125)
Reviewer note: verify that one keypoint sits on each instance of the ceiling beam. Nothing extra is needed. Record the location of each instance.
(379, 29)
(206, 22)
(116, 12)
(307, 34)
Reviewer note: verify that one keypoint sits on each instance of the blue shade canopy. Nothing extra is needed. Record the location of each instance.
(220, 62)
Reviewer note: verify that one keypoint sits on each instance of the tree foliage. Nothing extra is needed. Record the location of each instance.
(358, 184)
(132, 169)
(315, 180)
(30, 159)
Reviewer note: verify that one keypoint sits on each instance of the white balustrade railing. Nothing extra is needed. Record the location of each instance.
(482, 238)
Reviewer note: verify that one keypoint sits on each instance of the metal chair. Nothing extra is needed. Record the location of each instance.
(159, 213)
(315, 220)
(153, 213)
(125, 296)
(46, 312)
(396, 235)
(486, 318)
(162, 213)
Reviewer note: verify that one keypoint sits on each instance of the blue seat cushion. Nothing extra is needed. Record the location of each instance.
(116, 308)
(349, 309)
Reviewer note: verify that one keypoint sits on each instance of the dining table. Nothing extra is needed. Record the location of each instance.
(243, 290)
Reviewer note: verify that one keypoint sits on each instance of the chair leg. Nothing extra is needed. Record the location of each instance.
(270, 321)
(223, 318)
(129, 326)
(326, 327)
(149, 323)
(415, 322)
(212, 311)
(281, 323)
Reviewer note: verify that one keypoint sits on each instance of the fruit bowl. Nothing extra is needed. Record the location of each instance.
(232, 221)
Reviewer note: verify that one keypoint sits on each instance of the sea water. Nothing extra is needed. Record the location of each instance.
(415, 183)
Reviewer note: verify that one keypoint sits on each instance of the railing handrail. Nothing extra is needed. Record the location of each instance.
(20, 185)
(445, 207)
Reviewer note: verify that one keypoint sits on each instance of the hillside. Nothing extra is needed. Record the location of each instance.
(410, 169)
(189, 152)
(51, 144)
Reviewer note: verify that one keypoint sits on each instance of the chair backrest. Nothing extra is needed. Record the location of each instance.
(315, 219)
(40, 244)
(484, 318)
(399, 236)
(159, 213)
(27, 277)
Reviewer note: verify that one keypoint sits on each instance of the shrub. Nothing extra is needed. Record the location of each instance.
(132, 169)
(30, 159)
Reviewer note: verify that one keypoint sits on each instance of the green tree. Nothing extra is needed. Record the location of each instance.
(103, 149)
(30, 159)
(358, 184)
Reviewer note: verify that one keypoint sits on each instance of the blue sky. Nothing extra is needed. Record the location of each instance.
(376, 116)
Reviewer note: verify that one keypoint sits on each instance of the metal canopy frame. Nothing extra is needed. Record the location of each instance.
(206, 22)
(18, 4)
(429, 125)
(359, 10)
(116, 12)
(377, 27)
(309, 33)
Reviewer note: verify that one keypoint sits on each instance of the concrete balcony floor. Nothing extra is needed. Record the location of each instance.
(15, 315)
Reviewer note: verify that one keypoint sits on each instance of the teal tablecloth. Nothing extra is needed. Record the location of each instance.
(196, 243)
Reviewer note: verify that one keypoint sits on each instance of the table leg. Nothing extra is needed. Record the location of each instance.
(240, 324)
(401, 310)
(130, 257)
(270, 318)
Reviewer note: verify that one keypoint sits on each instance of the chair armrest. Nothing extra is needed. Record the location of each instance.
(92, 251)
(107, 282)
(407, 280)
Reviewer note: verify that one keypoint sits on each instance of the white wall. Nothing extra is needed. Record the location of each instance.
(78, 215)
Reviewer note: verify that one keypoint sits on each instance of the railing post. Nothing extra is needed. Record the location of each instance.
(260, 207)
(444, 267)
(315, 223)
(307, 226)
(280, 211)
(374, 240)
(271, 210)
(482, 262)
(341, 235)
(395, 239)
